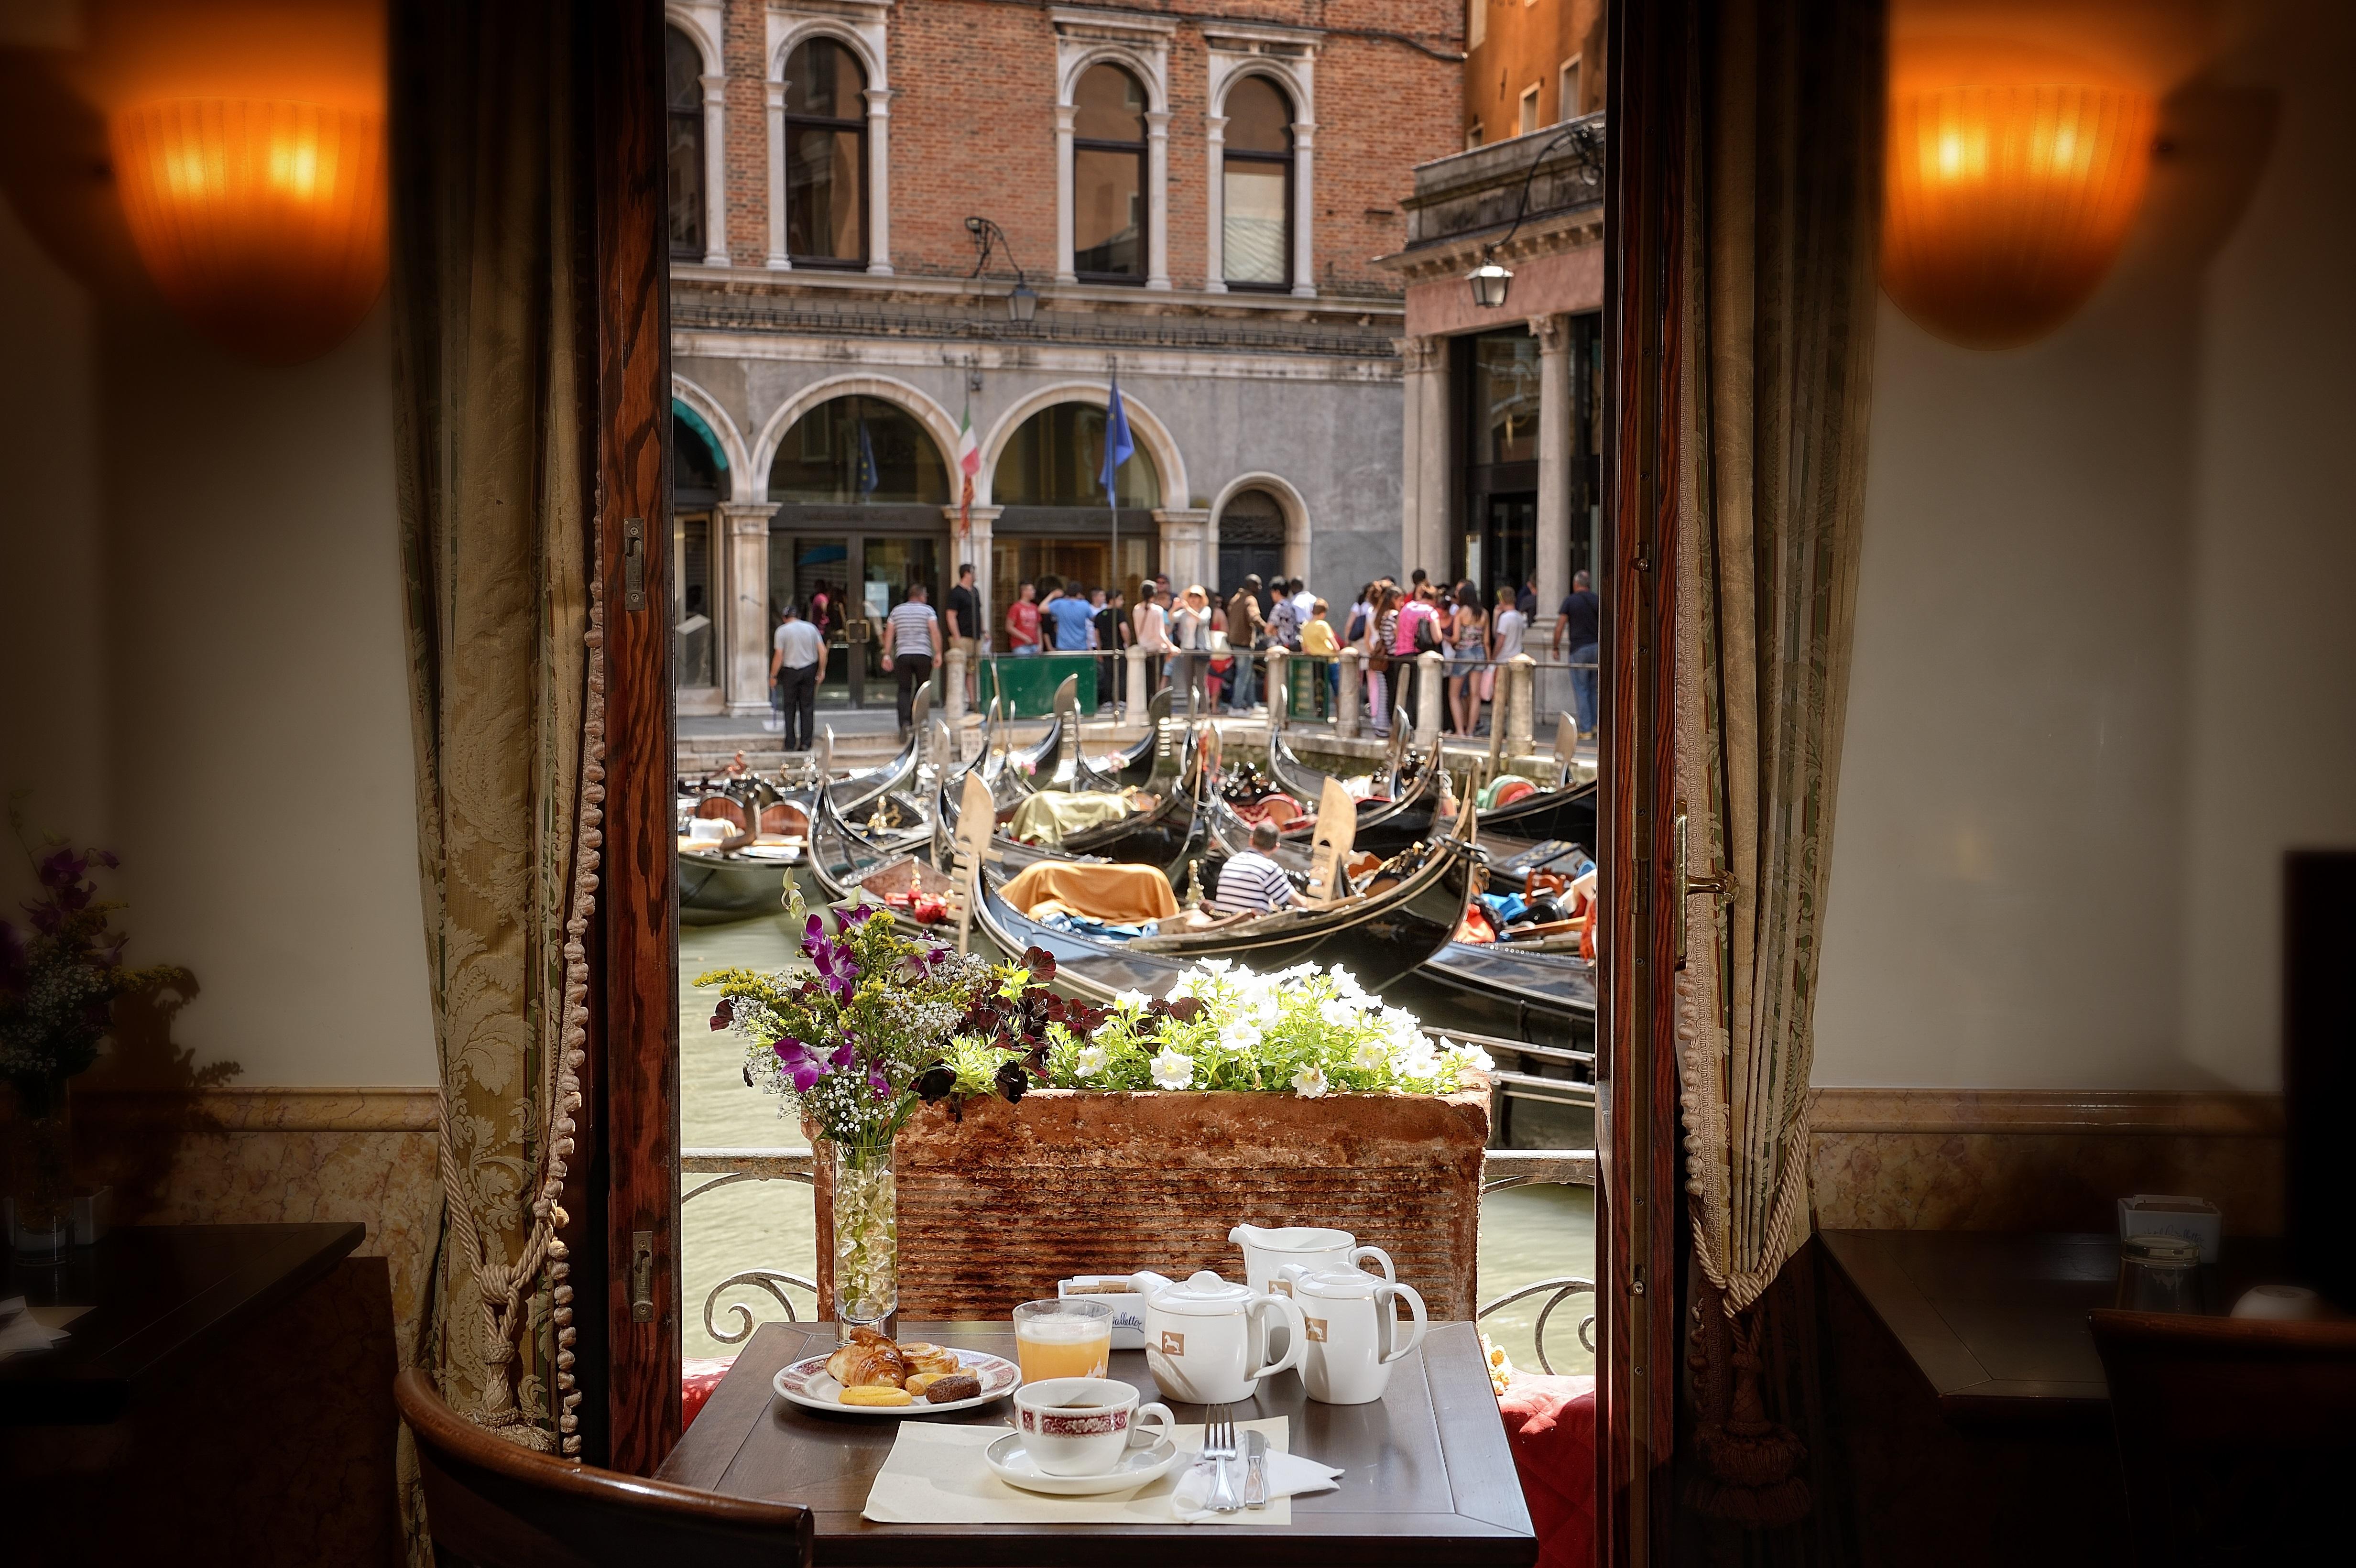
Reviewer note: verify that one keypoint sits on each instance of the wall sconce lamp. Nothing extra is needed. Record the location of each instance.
(1490, 281)
(263, 221)
(1023, 302)
(2006, 204)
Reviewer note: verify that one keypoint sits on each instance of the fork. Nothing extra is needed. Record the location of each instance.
(1218, 1447)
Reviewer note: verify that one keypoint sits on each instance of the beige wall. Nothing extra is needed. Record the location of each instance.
(201, 623)
(2106, 666)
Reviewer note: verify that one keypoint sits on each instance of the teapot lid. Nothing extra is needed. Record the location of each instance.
(1334, 1283)
(1202, 1294)
(1291, 1238)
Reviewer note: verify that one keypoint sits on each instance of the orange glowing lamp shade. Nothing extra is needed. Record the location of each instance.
(2005, 207)
(263, 221)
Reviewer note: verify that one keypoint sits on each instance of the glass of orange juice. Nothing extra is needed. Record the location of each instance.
(1063, 1340)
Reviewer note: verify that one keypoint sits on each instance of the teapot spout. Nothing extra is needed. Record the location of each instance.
(1249, 1236)
(1148, 1282)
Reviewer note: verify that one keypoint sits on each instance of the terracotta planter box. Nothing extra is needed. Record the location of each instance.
(995, 1208)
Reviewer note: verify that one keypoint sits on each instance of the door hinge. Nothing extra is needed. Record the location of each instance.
(642, 1276)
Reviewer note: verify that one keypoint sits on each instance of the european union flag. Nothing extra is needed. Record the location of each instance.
(1118, 445)
(868, 477)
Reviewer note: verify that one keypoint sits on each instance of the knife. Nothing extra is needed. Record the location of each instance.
(1255, 1470)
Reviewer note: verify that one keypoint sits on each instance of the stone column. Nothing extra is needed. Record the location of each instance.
(715, 171)
(1425, 481)
(778, 260)
(1140, 682)
(1065, 114)
(1185, 546)
(1427, 673)
(1157, 199)
(953, 688)
(1304, 213)
(745, 680)
(879, 181)
(1553, 333)
(1214, 205)
(1354, 693)
(1276, 672)
(1521, 686)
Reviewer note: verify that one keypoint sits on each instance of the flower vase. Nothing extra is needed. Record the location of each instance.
(863, 1210)
(41, 1187)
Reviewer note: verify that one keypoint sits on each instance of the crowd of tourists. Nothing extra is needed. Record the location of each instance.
(1209, 649)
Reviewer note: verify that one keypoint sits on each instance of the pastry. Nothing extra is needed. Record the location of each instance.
(925, 1358)
(865, 1395)
(951, 1389)
(870, 1361)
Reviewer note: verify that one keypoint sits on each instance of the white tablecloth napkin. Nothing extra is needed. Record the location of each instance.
(22, 1331)
(936, 1474)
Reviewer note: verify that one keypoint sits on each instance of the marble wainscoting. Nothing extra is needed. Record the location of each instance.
(2009, 1159)
(256, 1156)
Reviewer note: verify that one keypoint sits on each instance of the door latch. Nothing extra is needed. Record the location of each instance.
(642, 1276)
(633, 565)
(1720, 884)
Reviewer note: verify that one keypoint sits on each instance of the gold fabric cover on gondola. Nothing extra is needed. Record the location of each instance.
(1124, 895)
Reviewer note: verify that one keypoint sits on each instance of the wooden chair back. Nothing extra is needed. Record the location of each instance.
(491, 1504)
(2236, 1435)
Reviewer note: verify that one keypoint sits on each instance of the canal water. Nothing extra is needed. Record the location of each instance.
(1528, 1235)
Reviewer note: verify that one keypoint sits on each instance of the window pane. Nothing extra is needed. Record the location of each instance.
(1110, 106)
(1056, 460)
(1259, 118)
(1255, 234)
(823, 79)
(1505, 398)
(859, 449)
(683, 156)
(822, 217)
(1107, 212)
(682, 72)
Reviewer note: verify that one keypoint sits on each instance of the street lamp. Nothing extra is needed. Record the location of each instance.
(1489, 281)
(1023, 302)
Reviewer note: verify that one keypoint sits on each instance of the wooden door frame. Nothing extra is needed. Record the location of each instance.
(630, 1369)
(1639, 1201)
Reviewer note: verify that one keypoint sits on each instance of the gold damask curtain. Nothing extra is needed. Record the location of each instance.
(503, 675)
(1782, 215)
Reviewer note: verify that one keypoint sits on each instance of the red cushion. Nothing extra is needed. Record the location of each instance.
(1551, 1425)
(699, 1376)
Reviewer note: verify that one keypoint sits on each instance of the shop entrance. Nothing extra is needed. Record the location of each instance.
(846, 584)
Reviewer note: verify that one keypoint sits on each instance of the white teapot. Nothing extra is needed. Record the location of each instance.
(1352, 1329)
(1207, 1339)
(1269, 1252)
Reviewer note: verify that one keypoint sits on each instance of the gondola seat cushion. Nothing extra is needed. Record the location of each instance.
(1116, 894)
(1051, 816)
(699, 1376)
(1550, 1423)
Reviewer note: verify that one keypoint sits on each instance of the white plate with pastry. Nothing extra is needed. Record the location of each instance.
(874, 1376)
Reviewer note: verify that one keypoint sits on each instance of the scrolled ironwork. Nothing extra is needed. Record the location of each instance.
(1562, 1288)
(775, 1282)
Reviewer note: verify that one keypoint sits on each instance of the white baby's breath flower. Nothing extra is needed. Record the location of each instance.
(1310, 1083)
(1172, 1068)
(1092, 1060)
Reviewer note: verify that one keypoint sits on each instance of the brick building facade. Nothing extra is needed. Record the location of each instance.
(1530, 64)
(1197, 204)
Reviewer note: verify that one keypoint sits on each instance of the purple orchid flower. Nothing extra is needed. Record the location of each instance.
(835, 963)
(880, 1084)
(804, 1066)
(845, 1057)
(857, 914)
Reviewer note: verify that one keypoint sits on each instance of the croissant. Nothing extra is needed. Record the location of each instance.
(868, 1366)
(925, 1358)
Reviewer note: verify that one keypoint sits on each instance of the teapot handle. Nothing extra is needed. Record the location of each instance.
(1386, 1298)
(1358, 1256)
(1296, 1341)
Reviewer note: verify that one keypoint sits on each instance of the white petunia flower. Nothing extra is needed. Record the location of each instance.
(1092, 1060)
(1346, 984)
(1217, 966)
(1172, 1068)
(1130, 1001)
(1239, 1036)
(1336, 1013)
(1310, 1083)
(1467, 1059)
(1373, 1057)
(1181, 988)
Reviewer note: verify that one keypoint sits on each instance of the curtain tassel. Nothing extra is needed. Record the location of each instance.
(1750, 1472)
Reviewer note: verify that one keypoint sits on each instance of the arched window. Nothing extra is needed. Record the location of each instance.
(1256, 187)
(858, 450)
(683, 101)
(1109, 213)
(1056, 459)
(826, 155)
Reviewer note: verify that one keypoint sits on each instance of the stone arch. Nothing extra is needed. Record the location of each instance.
(803, 29)
(1278, 73)
(694, 23)
(1289, 501)
(1147, 74)
(1145, 428)
(900, 394)
(742, 486)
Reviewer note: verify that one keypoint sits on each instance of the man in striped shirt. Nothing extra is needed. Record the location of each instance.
(912, 640)
(1251, 881)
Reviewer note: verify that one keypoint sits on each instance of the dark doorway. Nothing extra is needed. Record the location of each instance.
(1252, 540)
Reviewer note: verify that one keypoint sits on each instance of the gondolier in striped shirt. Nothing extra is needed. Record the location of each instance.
(1251, 882)
(912, 640)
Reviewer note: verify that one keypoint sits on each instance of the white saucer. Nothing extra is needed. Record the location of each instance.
(1138, 1467)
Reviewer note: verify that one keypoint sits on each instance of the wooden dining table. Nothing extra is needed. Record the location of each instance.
(1426, 1476)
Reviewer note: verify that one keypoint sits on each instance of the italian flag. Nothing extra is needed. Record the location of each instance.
(969, 461)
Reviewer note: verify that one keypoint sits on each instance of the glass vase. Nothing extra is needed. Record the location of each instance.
(41, 1187)
(863, 1214)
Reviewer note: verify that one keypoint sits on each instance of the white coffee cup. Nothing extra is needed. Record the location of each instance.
(1079, 1426)
(1352, 1330)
